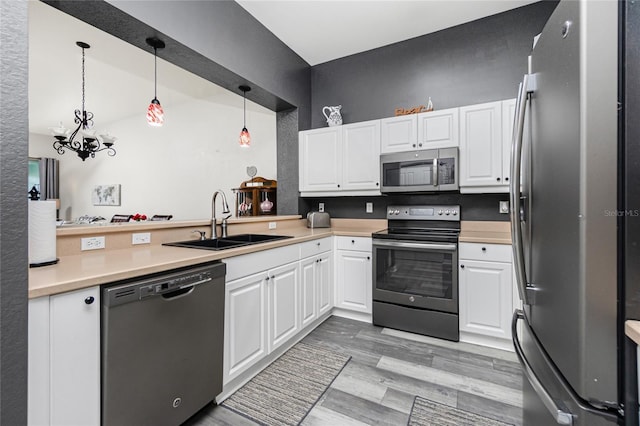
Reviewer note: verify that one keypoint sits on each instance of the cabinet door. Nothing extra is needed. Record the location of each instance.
(284, 303)
(353, 287)
(324, 283)
(438, 129)
(320, 159)
(75, 357)
(309, 304)
(486, 303)
(481, 145)
(245, 340)
(38, 362)
(508, 115)
(399, 134)
(361, 152)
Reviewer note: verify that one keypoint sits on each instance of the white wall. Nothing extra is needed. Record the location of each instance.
(173, 169)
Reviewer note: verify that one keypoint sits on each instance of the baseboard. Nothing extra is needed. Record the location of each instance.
(492, 342)
(358, 316)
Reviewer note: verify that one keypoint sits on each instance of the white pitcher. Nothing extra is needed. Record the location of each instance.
(334, 118)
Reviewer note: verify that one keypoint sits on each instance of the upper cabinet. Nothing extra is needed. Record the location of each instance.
(427, 130)
(340, 160)
(399, 133)
(485, 145)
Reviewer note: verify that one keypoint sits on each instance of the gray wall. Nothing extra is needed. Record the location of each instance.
(477, 62)
(221, 42)
(14, 134)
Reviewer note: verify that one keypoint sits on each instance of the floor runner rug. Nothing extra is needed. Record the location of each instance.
(429, 413)
(285, 391)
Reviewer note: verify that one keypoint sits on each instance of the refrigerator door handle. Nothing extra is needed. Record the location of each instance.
(562, 417)
(514, 190)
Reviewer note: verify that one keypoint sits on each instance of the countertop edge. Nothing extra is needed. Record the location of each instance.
(187, 257)
(632, 330)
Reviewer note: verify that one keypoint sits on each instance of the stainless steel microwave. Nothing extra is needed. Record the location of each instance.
(426, 170)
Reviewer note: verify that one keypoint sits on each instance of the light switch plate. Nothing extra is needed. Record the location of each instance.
(369, 208)
(272, 225)
(504, 207)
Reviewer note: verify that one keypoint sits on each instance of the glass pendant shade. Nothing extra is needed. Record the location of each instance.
(155, 113)
(245, 138)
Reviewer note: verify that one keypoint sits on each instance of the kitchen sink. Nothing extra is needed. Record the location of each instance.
(228, 242)
(256, 238)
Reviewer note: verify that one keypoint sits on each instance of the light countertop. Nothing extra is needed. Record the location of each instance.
(98, 267)
(485, 232)
(632, 330)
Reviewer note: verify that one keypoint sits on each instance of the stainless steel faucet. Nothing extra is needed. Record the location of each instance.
(225, 210)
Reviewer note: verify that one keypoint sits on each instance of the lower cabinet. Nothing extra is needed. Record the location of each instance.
(486, 294)
(317, 287)
(353, 274)
(64, 359)
(283, 284)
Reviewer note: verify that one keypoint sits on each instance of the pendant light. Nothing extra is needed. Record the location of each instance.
(88, 143)
(155, 113)
(245, 137)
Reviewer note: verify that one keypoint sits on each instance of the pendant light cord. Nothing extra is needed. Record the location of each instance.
(83, 82)
(244, 109)
(155, 73)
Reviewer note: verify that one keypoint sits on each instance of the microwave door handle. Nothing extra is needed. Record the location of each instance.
(514, 191)
(420, 246)
(435, 171)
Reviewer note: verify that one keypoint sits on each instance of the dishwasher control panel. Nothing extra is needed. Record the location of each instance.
(158, 285)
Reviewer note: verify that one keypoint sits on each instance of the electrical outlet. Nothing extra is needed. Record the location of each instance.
(504, 207)
(92, 243)
(141, 238)
(320, 207)
(272, 225)
(369, 208)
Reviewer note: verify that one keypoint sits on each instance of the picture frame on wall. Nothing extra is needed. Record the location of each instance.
(106, 195)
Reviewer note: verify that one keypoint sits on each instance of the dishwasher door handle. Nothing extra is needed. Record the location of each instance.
(183, 291)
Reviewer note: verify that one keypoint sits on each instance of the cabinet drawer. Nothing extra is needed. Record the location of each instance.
(489, 252)
(311, 248)
(353, 243)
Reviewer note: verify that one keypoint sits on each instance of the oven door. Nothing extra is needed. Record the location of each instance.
(416, 274)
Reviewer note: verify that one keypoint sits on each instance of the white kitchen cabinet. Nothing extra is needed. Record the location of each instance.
(64, 359)
(340, 160)
(438, 129)
(486, 294)
(245, 335)
(361, 156)
(399, 134)
(353, 274)
(316, 287)
(284, 304)
(324, 283)
(485, 146)
(320, 159)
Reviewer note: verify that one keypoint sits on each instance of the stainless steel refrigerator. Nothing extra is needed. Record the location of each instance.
(565, 219)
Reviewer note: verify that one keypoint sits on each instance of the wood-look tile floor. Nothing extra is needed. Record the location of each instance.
(389, 368)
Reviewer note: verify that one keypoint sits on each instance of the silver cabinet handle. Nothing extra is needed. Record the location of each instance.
(514, 190)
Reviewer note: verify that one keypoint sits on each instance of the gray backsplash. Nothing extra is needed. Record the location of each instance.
(480, 207)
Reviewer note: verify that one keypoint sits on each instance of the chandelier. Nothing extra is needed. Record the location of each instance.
(88, 143)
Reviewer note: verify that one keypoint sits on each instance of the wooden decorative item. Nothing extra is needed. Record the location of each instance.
(415, 110)
(256, 197)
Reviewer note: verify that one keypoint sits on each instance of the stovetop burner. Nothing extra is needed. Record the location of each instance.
(422, 223)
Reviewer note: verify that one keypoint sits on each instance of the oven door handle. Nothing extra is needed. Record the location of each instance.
(422, 246)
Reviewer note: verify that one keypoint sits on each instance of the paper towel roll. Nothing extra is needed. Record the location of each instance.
(42, 233)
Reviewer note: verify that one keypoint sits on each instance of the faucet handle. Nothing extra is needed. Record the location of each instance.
(202, 234)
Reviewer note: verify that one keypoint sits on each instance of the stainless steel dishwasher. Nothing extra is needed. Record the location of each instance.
(162, 345)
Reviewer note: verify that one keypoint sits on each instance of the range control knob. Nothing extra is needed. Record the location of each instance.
(454, 212)
(396, 212)
(440, 212)
(447, 212)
